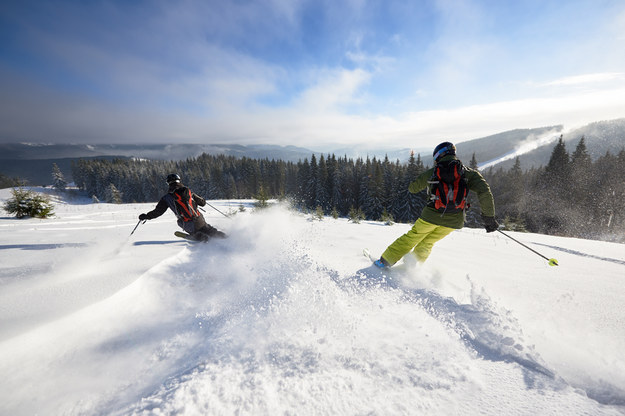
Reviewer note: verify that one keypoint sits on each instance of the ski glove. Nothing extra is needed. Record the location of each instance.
(143, 217)
(490, 224)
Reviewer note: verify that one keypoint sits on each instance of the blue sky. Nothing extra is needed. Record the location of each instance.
(323, 73)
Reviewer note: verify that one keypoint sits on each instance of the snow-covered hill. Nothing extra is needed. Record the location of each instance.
(287, 317)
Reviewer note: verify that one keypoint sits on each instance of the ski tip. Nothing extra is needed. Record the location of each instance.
(185, 236)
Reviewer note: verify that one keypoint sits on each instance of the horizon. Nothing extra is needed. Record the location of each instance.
(306, 74)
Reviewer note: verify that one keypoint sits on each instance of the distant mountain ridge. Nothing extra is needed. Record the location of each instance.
(34, 151)
(497, 146)
(533, 147)
(600, 137)
(33, 161)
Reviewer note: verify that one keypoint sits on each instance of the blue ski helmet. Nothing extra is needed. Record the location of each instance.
(443, 149)
(173, 178)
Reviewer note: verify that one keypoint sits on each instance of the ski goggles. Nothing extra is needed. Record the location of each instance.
(443, 151)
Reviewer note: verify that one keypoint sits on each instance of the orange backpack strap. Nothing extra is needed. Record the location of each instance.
(448, 191)
(185, 204)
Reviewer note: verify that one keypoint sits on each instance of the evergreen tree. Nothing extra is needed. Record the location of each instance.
(58, 180)
(416, 202)
(399, 206)
(511, 196)
(581, 171)
(261, 199)
(387, 218)
(558, 169)
(303, 194)
(549, 207)
(319, 214)
(311, 186)
(510, 187)
(25, 203)
(338, 191)
(113, 195)
(473, 214)
(605, 197)
(356, 215)
(473, 162)
(322, 186)
(231, 187)
(580, 188)
(6, 182)
(390, 176)
(618, 220)
(373, 204)
(364, 174)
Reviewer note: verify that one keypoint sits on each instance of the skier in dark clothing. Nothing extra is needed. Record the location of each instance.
(184, 204)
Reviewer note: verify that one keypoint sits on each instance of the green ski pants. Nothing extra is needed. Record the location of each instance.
(421, 238)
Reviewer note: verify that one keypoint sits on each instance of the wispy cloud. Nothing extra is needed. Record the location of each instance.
(334, 89)
(586, 79)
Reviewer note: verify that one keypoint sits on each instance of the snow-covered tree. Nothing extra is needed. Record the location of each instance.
(113, 196)
(26, 203)
(58, 180)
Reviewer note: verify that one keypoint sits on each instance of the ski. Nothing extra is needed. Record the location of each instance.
(367, 254)
(376, 263)
(185, 236)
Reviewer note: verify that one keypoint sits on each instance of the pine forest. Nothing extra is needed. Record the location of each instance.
(571, 196)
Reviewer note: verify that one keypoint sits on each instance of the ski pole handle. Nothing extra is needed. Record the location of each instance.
(133, 230)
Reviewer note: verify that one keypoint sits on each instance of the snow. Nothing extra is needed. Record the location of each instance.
(287, 316)
(531, 143)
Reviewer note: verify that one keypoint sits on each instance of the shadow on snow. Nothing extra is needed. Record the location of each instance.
(582, 254)
(40, 246)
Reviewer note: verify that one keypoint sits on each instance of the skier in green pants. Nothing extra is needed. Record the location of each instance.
(448, 184)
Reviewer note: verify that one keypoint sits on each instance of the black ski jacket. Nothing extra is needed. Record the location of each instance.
(167, 201)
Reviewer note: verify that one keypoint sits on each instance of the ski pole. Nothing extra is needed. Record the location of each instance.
(133, 230)
(227, 216)
(552, 262)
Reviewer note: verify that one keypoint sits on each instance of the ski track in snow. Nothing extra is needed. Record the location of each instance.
(283, 317)
(579, 253)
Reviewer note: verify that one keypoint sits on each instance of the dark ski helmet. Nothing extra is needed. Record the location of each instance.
(173, 178)
(443, 149)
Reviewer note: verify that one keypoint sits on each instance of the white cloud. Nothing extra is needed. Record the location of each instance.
(423, 128)
(588, 79)
(317, 119)
(334, 89)
(476, 121)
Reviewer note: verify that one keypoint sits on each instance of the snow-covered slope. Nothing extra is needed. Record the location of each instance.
(287, 317)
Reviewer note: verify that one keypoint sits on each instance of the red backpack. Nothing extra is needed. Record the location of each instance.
(448, 187)
(185, 206)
